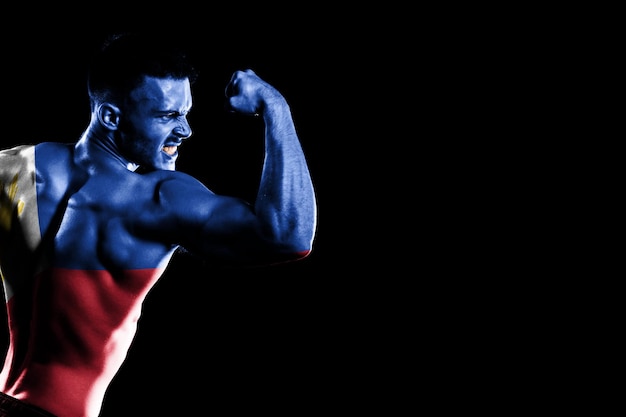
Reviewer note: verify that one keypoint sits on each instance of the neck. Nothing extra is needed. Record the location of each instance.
(97, 148)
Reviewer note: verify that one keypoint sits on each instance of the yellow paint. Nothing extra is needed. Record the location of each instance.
(7, 206)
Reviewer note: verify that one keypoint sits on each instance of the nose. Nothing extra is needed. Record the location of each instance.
(183, 130)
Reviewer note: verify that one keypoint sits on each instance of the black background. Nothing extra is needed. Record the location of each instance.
(383, 101)
(412, 121)
(275, 339)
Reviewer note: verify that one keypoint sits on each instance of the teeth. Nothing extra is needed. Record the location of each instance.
(170, 150)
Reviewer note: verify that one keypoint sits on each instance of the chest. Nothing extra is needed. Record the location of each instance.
(112, 222)
(100, 221)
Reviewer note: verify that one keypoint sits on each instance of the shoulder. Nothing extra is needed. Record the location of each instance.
(54, 164)
(16, 150)
(53, 152)
(18, 159)
(177, 187)
(25, 157)
(17, 153)
(170, 201)
(42, 149)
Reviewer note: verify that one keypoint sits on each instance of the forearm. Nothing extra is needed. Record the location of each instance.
(285, 203)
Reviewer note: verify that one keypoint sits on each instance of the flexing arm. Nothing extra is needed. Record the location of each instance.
(285, 206)
(281, 224)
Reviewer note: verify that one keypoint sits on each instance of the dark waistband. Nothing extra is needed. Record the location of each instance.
(12, 407)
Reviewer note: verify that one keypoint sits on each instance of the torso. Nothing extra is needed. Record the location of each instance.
(96, 271)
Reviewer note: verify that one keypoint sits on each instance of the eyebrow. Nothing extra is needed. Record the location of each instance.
(178, 112)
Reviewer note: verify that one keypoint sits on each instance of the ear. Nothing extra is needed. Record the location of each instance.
(109, 116)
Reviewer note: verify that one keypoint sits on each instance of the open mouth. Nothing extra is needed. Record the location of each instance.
(170, 150)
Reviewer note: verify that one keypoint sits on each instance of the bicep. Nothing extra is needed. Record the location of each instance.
(212, 225)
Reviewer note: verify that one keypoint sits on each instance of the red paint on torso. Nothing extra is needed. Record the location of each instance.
(83, 324)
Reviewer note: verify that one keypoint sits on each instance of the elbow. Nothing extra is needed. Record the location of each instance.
(293, 256)
(301, 254)
(301, 244)
(294, 252)
(291, 243)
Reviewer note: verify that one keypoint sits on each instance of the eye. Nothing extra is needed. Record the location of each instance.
(169, 116)
(174, 115)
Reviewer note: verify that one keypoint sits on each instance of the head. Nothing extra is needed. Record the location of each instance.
(140, 91)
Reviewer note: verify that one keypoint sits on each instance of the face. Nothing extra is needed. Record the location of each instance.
(155, 123)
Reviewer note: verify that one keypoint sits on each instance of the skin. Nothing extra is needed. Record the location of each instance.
(113, 232)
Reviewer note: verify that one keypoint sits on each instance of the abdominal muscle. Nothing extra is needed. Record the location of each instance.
(82, 327)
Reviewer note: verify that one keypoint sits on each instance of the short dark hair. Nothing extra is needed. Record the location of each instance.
(125, 58)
